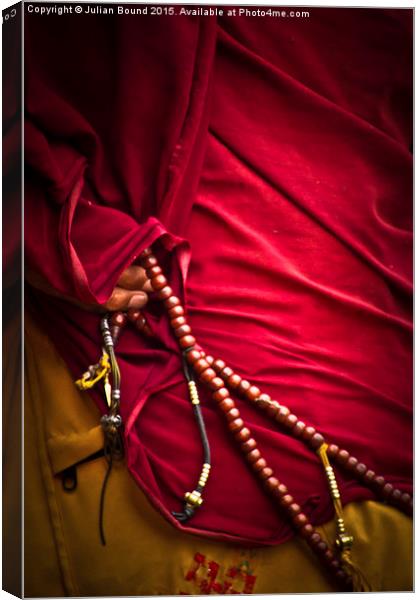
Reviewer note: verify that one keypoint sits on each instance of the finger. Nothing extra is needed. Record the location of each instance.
(133, 278)
(122, 299)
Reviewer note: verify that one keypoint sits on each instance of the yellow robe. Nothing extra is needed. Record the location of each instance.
(144, 554)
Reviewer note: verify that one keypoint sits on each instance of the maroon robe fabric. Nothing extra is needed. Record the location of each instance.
(269, 159)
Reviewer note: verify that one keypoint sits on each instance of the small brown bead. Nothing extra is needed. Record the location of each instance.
(119, 319)
(236, 425)
(396, 495)
(253, 392)
(193, 356)
(282, 414)
(219, 364)
(158, 282)
(259, 464)
(234, 380)
(232, 414)
(352, 463)
(133, 314)
(208, 375)
(333, 450)
(360, 469)
(299, 428)
(217, 383)
(249, 445)
(171, 302)
(369, 476)
(265, 473)
(153, 271)
(315, 538)
(253, 455)
(221, 395)
(272, 483)
(321, 547)
(146, 252)
(335, 565)
(149, 262)
(294, 509)
(243, 435)
(140, 323)
(387, 490)
(177, 322)
(283, 489)
(379, 481)
(176, 311)
(209, 359)
(264, 398)
(342, 457)
(226, 404)
(308, 432)
(165, 293)
(243, 386)
(405, 498)
(182, 330)
(291, 421)
(200, 365)
(306, 531)
(286, 500)
(329, 556)
(227, 372)
(271, 409)
(316, 440)
(187, 341)
(300, 520)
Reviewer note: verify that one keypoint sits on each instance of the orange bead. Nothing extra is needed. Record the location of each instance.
(187, 341)
(221, 396)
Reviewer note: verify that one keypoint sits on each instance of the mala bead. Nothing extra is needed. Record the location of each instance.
(360, 469)
(290, 421)
(233, 381)
(265, 473)
(216, 383)
(164, 293)
(249, 445)
(332, 450)
(207, 375)
(244, 386)
(232, 414)
(253, 456)
(182, 330)
(272, 483)
(300, 520)
(405, 499)
(119, 319)
(158, 282)
(314, 539)
(316, 441)
(133, 314)
(187, 341)
(219, 364)
(171, 302)
(395, 495)
(253, 393)
(146, 252)
(153, 271)
(342, 456)
(177, 322)
(282, 414)
(352, 463)
(149, 262)
(210, 359)
(176, 311)
(243, 435)
(308, 433)
(294, 509)
(226, 404)
(299, 428)
(227, 372)
(387, 490)
(221, 396)
(259, 464)
(379, 481)
(286, 500)
(200, 365)
(236, 425)
(321, 547)
(193, 356)
(306, 531)
(369, 476)
(271, 409)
